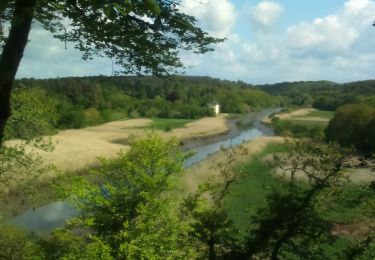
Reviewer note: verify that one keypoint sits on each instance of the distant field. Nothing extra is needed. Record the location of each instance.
(321, 113)
(167, 124)
(77, 149)
(307, 114)
(307, 122)
(314, 118)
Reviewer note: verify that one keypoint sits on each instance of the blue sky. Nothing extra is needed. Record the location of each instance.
(267, 42)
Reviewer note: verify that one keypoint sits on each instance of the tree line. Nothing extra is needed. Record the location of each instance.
(324, 95)
(353, 124)
(86, 101)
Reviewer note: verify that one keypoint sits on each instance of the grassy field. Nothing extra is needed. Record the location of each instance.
(302, 123)
(258, 178)
(321, 114)
(306, 123)
(345, 208)
(167, 124)
(247, 196)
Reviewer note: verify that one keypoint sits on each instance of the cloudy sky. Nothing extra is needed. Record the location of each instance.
(267, 42)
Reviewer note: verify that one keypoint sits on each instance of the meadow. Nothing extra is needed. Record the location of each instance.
(302, 122)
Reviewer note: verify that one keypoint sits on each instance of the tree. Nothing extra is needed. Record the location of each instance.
(34, 115)
(141, 36)
(353, 125)
(290, 226)
(126, 205)
(211, 224)
(17, 244)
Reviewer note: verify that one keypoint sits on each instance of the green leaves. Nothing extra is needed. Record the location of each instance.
(33, 114)
(109, 12)
(153, 7)
(127, 205)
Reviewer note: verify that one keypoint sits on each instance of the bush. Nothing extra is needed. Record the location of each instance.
(290, 129)
(353, 125)
(92, 116)
(72, 119)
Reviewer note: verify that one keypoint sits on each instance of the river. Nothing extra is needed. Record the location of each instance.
(45, 219)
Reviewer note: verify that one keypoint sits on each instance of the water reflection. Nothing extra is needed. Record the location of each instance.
(46, 218)
(202, 152)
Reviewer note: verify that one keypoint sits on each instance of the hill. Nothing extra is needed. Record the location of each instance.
(85, 101)
(324, 95)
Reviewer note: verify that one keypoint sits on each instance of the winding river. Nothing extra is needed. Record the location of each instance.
(45, 219)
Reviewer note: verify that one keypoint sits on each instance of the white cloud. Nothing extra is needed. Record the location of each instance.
(217, 17)
(46, 57)
(333, 33)
(338, 47)
(265, 15)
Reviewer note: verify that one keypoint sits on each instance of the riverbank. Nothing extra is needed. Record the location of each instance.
(217, 132)
(77, 152)
(77, 149)
(207, 169)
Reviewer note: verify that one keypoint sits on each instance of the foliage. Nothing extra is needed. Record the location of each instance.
(79, 100)
(321, 114)
(353, 125)
(211, 224)
(126, 208)
(17, 244)
(127, 211)
(168, 124)
(69, 244)
(298, 128)
(324, 95)
(248, 194)
(290, 224)
(34, 115)
(152, 32)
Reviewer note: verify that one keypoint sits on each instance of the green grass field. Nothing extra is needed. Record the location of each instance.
(306, 123)
(310, 125)
(321, 113)
(167, 124)
(249, 195)
(257, 179)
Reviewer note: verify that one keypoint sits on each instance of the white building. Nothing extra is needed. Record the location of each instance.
(216, 108)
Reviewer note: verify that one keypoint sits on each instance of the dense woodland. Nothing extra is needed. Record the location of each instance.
(87, 101)
(354, 105)
(324, 95)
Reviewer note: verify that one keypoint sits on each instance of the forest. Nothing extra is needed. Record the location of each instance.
(324, 95)
(81, 102)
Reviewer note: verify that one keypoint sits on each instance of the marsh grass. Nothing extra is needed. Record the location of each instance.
(167, 124)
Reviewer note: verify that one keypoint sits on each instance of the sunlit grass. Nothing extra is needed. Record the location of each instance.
(167, 124)
(249, 194)
(321, 114)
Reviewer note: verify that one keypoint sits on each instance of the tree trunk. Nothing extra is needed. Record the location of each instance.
(12, 55)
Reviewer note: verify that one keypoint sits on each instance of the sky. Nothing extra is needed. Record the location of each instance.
(266, 42)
